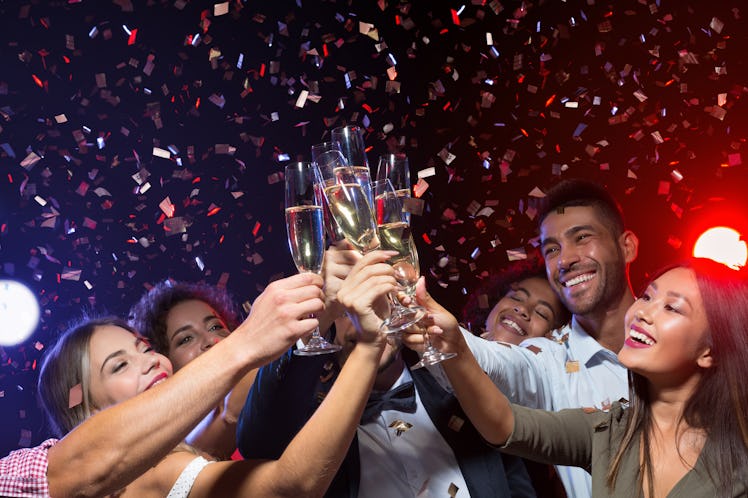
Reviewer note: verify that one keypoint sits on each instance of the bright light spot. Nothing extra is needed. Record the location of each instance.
(722, 244)
(19, 313)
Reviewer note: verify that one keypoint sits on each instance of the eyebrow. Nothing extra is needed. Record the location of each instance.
(568, 233)
(674, 294)
(189, 325)
(119, 352)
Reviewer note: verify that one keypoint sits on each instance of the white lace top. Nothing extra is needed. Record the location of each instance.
(186, 479)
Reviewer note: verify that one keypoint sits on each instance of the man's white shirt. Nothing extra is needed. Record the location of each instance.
(417, 462)
(573, 372)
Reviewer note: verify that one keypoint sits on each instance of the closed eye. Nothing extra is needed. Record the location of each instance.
(672, 308)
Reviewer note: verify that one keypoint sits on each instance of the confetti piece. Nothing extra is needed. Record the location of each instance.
(75, 397)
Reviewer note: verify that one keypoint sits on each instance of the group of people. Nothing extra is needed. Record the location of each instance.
(627, 396)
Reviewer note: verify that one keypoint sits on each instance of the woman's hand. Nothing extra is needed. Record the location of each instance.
(364, 291)
(440, 324)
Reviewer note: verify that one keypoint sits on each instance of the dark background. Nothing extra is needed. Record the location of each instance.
(645, 98)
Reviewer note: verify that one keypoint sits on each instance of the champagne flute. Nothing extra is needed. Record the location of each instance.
(395, 235)
(348, 201)
(351, 140)
(306, 236)
(352, 212)
(396, 168)
(322, 147)
(331, 227)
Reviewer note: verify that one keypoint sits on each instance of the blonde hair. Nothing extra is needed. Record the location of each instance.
(64, 367)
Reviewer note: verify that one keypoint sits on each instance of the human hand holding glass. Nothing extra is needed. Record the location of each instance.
(306, 236)
(395, 235)
(353, 214)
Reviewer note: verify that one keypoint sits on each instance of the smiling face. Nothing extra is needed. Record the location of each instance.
(192, 327)
(667, 329)
(122, 365)
(585, 263)
(529, 309)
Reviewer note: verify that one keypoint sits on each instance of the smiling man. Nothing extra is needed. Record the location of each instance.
(587, 253)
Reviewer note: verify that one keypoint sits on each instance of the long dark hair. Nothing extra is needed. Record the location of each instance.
(719, 403)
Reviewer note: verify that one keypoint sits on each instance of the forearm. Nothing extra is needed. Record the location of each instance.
(520, 373)
(484, 404)
(118, 444)
(320, 447)
(332, 312)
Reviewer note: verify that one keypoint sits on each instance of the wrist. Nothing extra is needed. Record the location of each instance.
(370, 351)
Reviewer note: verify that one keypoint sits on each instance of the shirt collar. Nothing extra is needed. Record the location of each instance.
(404, 377)
(584, 347)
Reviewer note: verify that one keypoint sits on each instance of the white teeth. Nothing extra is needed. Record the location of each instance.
(513, 325)
(641, 338)
(578, 280)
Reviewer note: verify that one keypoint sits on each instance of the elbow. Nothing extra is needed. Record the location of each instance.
(82, 477)
(297, 483)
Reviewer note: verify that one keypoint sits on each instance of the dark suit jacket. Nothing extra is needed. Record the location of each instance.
(287, 392)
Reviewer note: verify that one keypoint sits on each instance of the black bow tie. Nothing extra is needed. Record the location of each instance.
(401, 398)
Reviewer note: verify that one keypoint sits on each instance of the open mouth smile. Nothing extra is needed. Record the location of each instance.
(638, 338)
(579, 279)
(510, 324)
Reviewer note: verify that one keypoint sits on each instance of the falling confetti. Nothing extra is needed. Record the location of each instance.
(140, 141)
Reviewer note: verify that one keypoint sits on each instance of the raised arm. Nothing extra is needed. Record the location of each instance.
(118, 444)
(309, 463)
(216, 433)
(488, 409)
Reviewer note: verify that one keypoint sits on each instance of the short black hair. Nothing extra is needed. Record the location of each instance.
(574, 192)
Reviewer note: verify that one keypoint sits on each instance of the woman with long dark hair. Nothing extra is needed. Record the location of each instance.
(684, 431)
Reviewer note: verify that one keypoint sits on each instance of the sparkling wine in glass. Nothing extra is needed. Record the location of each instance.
(348, 201)
(395, 235)
(351, 141)
(306, 236)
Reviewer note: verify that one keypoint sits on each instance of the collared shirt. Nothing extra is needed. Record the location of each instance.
(23, 473)
(576, 372)
(416, 463)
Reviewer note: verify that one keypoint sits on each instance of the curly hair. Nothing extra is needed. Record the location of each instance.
(148, 315)
(482, 300)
